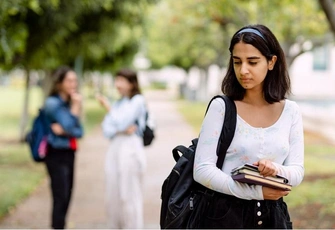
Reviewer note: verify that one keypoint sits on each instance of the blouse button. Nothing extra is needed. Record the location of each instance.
(258, 204)
(259, 213)
(260, 222)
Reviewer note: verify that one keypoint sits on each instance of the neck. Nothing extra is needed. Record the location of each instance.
(126, 95)
(254, 98)
(64, 96)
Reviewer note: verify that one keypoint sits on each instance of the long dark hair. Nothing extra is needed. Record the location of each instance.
(58, 77)
(131, 77)
(277, 82)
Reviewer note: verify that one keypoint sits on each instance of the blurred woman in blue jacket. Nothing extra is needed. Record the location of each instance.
(62, 108)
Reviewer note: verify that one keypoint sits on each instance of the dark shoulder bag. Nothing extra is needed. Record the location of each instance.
(183, 200)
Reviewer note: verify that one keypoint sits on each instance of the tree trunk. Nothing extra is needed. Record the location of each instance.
(46, 83)
(24, 115)
(329, 9)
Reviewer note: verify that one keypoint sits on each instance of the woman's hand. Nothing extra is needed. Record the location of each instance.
(103, 101)
(57, 129)
(131, 129)
(266, 168)
(76, 100)
(273, 194)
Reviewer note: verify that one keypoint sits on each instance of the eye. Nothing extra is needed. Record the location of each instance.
(252, 63)
(237, 62)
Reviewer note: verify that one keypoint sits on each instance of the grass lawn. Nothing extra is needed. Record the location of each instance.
(312, 203)
(19, 175)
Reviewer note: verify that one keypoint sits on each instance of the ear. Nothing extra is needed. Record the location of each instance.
(272, 62)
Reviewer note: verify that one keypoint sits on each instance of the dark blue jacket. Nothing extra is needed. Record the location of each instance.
(58, 111)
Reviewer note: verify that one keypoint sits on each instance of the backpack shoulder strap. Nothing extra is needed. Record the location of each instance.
(182, 149)
(228, 128)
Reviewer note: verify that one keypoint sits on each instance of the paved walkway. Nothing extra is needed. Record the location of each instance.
(87, 209)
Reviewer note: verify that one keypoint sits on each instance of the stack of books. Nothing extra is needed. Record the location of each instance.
(249, 174)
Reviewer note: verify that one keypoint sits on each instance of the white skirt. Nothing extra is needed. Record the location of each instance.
(124, 168)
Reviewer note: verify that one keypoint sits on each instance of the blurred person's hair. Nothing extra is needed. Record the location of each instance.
(277, 82)
(131, 77)
(58, 76)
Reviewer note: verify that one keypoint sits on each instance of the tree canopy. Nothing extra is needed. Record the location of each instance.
(106, 34)
(197, 32)
(43, 34)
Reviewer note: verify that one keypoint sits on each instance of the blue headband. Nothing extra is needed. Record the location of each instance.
(251, 30)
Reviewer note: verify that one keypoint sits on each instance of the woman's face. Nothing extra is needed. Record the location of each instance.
(69, 84)
(123, 85)
(250, 66)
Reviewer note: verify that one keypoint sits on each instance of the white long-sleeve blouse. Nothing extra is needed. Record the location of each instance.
(282, 143)
(124, 113)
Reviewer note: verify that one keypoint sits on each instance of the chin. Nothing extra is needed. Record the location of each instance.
(247, 86)
(122, 93)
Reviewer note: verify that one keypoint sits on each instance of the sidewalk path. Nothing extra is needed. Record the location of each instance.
(87, 210)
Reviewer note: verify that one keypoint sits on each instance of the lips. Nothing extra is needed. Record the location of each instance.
(245, 79)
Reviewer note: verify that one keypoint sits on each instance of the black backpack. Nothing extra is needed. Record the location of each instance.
(180, 193)
(148, 132)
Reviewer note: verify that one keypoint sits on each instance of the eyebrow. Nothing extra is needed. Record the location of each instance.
(253, 57)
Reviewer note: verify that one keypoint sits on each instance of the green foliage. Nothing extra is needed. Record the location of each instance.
(184, 33)
(43, 34)
(198, 32)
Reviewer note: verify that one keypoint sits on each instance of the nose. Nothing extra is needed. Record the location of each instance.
(244, 69)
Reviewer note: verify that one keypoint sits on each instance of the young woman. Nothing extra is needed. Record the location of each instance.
(125, 158)
(268, 134)
(62, 108)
